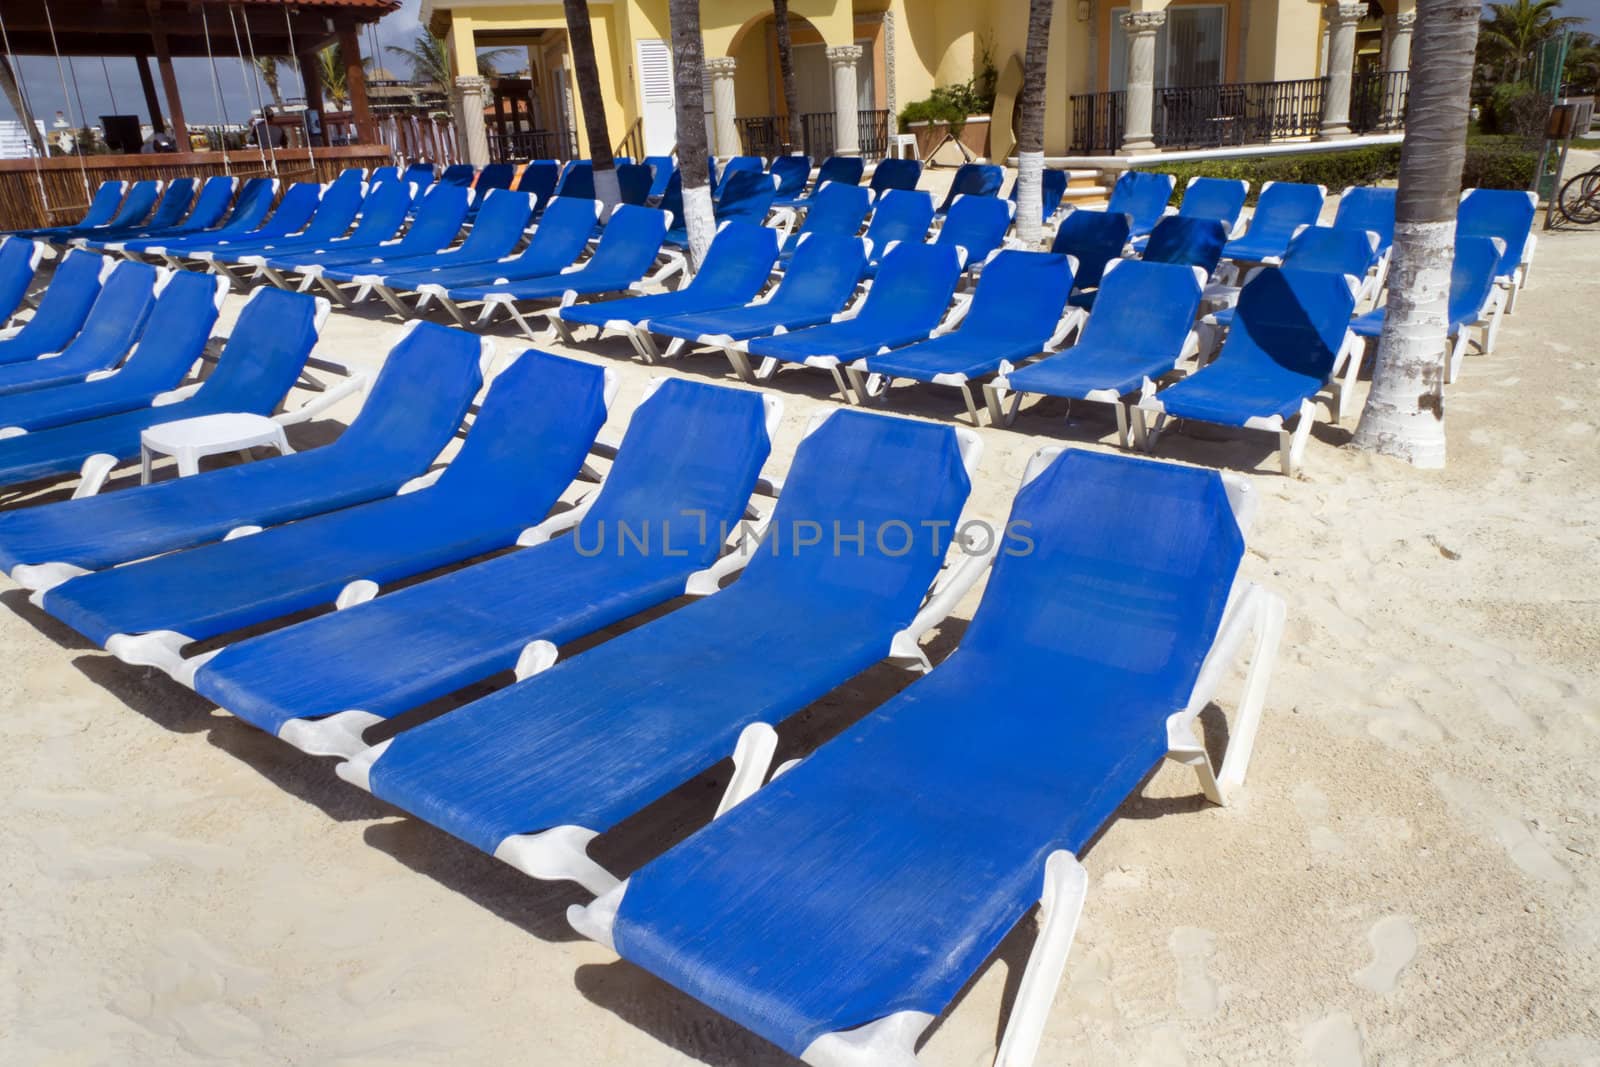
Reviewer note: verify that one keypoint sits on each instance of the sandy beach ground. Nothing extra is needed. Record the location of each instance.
(1410, 877)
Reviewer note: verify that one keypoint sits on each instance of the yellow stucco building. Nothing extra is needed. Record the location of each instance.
(1131, 76)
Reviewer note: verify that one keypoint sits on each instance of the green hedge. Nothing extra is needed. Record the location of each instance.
(1491, 165)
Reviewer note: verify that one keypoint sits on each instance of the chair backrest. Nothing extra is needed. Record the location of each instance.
(629, 242)
(1052, 190)
(298, 207)
(1503, 213)
(739, 261)
(577, 180)
(1196, 241)
(900, 215)
(383, 212)
(747, 195)
(437, 220)
(19, 258)
(174, 204)
(1143, 196)
(540, 177)
(684, 471)
(252, 204)
(383, 174)
(1296, 319)
(139, 203)
(846, 169)
(175, 334)
(973, 179)
(897, 482)
(664, 168)
(792, 173)
(672, 199)
(1284, 207)
(1143, 307)
(896, 174)
(1368, 207)
(1333, 250)
(421, 394)
(1214, 198)
(506, 213)
(103, 208)
(342, 202)
(1093, 238)
(824, 272)
(1472, 274)
(351, 176)
(117, 317)
(420, 174)
(1020, 295)
(836, 209)
(563, 233)
(458, 174)
(265, 352)
(977, 224)
(912, 289)
(212, 203)
(633, 183)
(738, 165)
(495, 176)
(66, 300)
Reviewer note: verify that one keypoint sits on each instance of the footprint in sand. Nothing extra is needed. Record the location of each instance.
(1485, 814)
(1193, 948)
(1312, 805)
(1394, 946)
(1334, 1042)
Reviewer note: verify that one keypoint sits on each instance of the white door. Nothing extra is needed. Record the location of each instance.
(657, 105)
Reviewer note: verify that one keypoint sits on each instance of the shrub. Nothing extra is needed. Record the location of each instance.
(1337, 169)
(1516, 110)
(949, 104)
(1498, 167)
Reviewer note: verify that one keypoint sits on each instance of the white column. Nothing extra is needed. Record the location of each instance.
(846, 117)
(1343, 17)
(1139, 123)
(723, 108)
(1397, 56)
(473, 138)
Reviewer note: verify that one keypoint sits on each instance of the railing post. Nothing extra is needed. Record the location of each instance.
(1343, 17)
(1141, 27)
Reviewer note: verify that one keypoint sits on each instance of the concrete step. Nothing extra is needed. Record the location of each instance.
(1087, 196)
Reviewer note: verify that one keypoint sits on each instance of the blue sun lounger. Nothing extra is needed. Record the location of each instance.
(577, 180)
(1368, 208)
(976, 225)
(1142, 196)
(529, 441)
(821, 277)
(248, 209)
(899, 216)
(1327, 249)
(972, 179)
(904, 305)
(62, 309)
(535, 771)
(1475, 300)
(663, 168)
(1141, 328)
(102, 209)
(294, 212)
(746, 197)
(848, 170)
(1187, 242)
(894, 174)
(176, 200)
(334, 214)
(627, 250)
(434, 226)
(684, 470)
(1093, 239)
(209, 207)
(114, 324)
(736, 268)
(737, 165)
(19, 261)
(1291, 338)
(1507, 214)
(843, 907)
(835, 209)
(540, 177)
(493, 176)
(1215, 198)
(792, 172)
(1052, 190)
(167, 332)
(1015, 314)
(458, 174)
(263, 359)
(422, 393)
(562, 237)
(384, 213)
(1281, 209)
(135, 210)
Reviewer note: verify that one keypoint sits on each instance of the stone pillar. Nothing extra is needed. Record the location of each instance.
(471, 137)
(724, 109)
(846, 115)
(1397, 50)
(1139, 121)
(1343, 17)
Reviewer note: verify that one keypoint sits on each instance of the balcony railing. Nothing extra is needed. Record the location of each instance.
(531, 144)
(764, 135)
(1238, 113)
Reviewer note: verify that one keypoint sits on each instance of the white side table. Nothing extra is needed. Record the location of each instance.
(188, 440)
(904, 142)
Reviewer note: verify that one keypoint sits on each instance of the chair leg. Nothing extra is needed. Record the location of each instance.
(741, 363)
(1066, 884)
(972, 403)
(995, 397)
(1292, 444)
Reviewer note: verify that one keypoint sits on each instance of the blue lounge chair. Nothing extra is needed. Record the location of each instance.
(176, 200)
(492, 177)
(685, 469)
(529, 441)
(1507, 214)
(1281, 209)
(633, 183)
(1192, 241)
(662, 168)
(1368, 208)
(1142, 196)
(209, 207)
(134, 210)
(835, 209)
(899, 216)
(434, 226)
(422, 175)
(736, 268)
(250, 207)
(577, 180)
(821, 277)
(421, 394)
(842, 908)
(1052, 190)
(1093, 239)
(102, 209)
(1015, 314)
(848, 170)
(383, 215)
(792, 172)
(19, 260)
(904, 305)
(63, 307)
(746, 197)
(458, 174)
(294, 212)
(113, 326)
(539, 177)
(166, 340)
(333, 215)
(895, 174)
(381, 175)
(1291, 338)
(351, 176)
(737, 165)
(627, 250)
(260, 364)
(1319, 248)
(977, 226)
(1215, 198)
(562, 236)
(535, 771)
(1141, 328)
(972, 179)
(1475, 300)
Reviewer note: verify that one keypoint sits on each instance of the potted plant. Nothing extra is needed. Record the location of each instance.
(961, 112)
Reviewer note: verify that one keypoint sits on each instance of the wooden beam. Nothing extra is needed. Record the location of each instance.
(355, 76)
(151, 100)
(169, 81)
(311, 77)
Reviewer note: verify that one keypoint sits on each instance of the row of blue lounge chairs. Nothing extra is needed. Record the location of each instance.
(912, 844)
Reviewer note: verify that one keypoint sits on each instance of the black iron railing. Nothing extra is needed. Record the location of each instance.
(874, 134)
(1378, 101)
(759, 136)
(1097, 123)
(764, 135)
(531, 144)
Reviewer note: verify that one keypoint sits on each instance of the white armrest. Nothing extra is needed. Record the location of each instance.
(557, 524)
(352, 386)
(709, 580)
(421, 481)
(906, 650)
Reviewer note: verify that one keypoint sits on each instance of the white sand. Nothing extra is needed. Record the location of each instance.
(1410, 877)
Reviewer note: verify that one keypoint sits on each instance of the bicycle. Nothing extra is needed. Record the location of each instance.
(1579, 200)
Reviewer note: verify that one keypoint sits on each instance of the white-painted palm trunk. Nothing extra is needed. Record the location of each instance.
(700, 221)
(1404, 416)
(1030, 197)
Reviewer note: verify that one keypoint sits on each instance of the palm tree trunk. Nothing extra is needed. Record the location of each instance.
(794, 136)
(8, 83)
(592, 101)
(1030, 130)
(1404, 416)
(688, 88)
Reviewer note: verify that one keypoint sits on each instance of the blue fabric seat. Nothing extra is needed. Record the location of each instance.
(526, 445)
(115, 323)
(972, 179)
(1368, 208)
(102, 209)
(260, 364)
(1214, 198)
(458, 174)
(633, 183)
(847, 170)
(1188, 240)
(895, 174)
(1142, 325)
(19, 259)
(421, 394)
(1327, 249)
(209, 207)
(878, 876)
(577, 180)
(294, 212)
(835, 209)
(134, 211)
(422, 175)
(663, 168)
(380, 175)
(1052, 190)
(737, 165)
(1291, 336)
(1142, 197)
(592, 740)
(1504, 213)
(539, 177)
(1281, 209)
(977, 225)
(493, 176)
(384, 213)
(333, 215)
(176, 200)
(434, 226)
(685, 468)
(1015, 312)
(1094, 239)
(249, 208)
(792, 172)
(1473, 271)
(746, 197)
(62, 309)
(899, 216)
